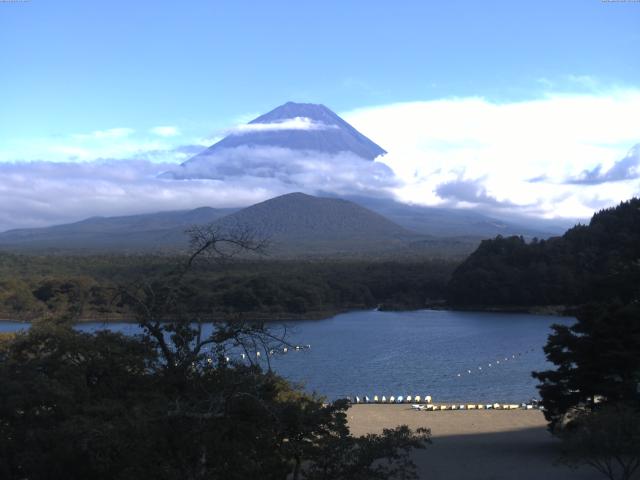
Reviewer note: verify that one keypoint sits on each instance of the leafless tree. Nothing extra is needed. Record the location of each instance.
(161, 310)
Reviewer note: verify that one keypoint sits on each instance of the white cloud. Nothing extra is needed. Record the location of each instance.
(45, 193)
(36, 194)
(556, 137)
(311, 171)
(111, 133)
(586, 81)
(112, 143)
(166, 131)
(297, 123)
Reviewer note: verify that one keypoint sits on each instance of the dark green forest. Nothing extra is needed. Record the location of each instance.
(598, 262)
(83, 287)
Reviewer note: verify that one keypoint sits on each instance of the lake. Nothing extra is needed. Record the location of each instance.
(452, 356)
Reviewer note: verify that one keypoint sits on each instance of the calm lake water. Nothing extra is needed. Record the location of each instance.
(425, 352)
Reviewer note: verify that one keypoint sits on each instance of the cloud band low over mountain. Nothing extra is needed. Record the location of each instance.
(43, 193)
(557, 155)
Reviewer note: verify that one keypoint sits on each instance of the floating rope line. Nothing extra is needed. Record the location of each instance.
(497, 362)
(258, 354)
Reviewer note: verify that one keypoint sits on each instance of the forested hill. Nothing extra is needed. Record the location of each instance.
(595, 262)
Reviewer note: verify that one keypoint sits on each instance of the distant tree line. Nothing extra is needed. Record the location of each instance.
(265, 288)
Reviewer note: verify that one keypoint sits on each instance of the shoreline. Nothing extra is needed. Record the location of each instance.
(217, 317)
(551, 310)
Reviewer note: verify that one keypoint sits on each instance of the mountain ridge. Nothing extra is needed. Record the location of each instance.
(343, 137)
(360, 223)
(303, 128)
(295, 222)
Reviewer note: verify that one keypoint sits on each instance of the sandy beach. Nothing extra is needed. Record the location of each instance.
(475, 444)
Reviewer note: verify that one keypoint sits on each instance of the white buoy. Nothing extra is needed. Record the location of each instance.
(468, 371)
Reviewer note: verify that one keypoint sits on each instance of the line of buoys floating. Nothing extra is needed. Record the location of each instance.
(497, 362)
(258, 354)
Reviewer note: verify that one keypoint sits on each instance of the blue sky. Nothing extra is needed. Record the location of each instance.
(69, 67)
(72, 72)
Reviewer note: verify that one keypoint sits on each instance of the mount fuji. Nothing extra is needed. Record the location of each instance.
(290, 140)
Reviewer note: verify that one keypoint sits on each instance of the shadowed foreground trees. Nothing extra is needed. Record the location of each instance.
(105, 406)
(597, 361)
(607, 439)
(592, 398)
(168, 404)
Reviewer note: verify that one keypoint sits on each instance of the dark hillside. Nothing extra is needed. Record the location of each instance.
(145, 232)
(595, 262)
(301, 217)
